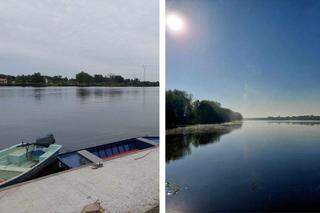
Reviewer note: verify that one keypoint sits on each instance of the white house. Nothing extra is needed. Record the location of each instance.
(3, 80)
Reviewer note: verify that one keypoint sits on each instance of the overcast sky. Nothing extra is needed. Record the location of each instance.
(63, 37)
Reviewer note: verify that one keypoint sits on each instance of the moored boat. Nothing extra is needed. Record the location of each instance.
(23, 161)
(98, 154)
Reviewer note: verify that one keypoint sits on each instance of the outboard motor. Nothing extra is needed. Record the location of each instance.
(45, 141)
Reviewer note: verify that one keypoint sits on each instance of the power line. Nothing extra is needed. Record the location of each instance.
(144, 72)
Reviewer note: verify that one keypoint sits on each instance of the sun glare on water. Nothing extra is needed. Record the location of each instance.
(175, 23)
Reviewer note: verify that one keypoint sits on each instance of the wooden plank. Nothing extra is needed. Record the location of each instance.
(147, 141)
(91, 157)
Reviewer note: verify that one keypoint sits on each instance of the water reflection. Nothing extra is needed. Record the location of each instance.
(179, 145)
(84, 93)
(98, 93)
(39, 93)
(78, 116)
(261, 168)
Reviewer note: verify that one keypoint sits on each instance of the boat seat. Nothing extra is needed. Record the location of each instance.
(17, 157)
(88, 155)
(147, 141)
(29, 164)
(45, 155)
(49, 151)
(12, 168)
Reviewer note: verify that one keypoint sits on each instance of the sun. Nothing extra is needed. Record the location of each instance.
(175, 23)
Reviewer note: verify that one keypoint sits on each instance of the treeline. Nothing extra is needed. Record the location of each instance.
(300, 117)
(182, 110)
(81, 79)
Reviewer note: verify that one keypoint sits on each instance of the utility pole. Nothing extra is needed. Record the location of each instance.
(144, 72)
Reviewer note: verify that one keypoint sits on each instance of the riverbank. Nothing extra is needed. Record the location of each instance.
(204, 128)
(74, 85)
(81, 79)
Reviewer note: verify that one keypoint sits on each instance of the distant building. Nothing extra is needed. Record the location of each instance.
(46, 80)
(3, 80)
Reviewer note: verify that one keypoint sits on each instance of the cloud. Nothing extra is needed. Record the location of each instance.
(64, 37)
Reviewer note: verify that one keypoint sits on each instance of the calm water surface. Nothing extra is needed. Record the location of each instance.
(78, 117)
(257, 166)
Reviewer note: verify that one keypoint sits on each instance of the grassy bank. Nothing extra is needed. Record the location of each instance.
(205, 128)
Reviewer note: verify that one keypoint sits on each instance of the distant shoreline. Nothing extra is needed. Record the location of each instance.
(287, 118)
(81, 79)
(75, 85)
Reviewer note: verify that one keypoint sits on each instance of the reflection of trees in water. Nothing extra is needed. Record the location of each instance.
(113, 92)
(98, 93)
(178, 146)
(40, 92)
(85, 92)
(81, 92)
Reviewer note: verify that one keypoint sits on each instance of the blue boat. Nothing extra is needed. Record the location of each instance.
(97, 154)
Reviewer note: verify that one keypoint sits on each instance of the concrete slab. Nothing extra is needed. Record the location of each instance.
(126, 184)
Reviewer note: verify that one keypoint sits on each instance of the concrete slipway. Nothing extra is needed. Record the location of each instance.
(126, 184)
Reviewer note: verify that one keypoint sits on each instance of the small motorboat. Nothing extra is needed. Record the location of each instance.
(98, 154)
(23, 161)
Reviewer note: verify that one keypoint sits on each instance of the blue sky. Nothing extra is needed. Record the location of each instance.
(257, 57)
(63, 37)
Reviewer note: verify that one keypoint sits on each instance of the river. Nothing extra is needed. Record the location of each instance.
(253, 166)
(78, 117)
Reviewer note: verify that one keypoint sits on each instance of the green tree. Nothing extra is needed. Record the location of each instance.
(208, 112)
(99, 78)
(181, 110)
(116, 79)
(178, 107)
(37, 78)
(84, 78)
